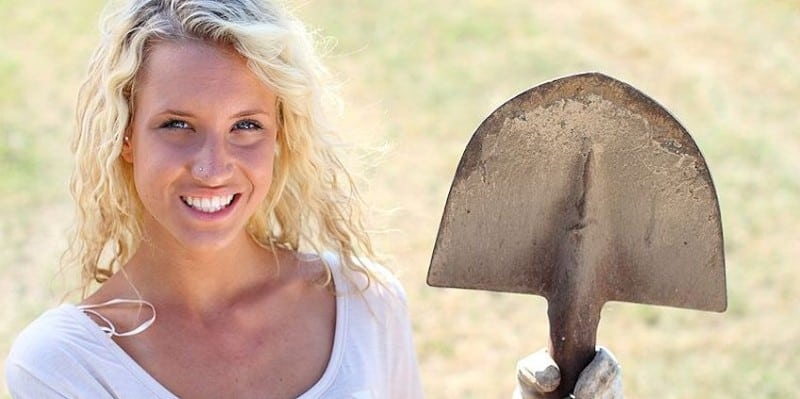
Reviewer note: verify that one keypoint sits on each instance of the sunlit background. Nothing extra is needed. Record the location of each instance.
(419, 76)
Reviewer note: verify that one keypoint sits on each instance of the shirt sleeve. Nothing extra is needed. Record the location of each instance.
(36, 363)
(22, 384)
(405, 381)
(55, 357)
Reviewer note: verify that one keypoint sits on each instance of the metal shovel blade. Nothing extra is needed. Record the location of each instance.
(583, 190)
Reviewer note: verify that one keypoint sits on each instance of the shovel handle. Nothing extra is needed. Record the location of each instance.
(573, 335)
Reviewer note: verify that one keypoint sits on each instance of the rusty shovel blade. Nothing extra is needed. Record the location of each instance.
(583, 190)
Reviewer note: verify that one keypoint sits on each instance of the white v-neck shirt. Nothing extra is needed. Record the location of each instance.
(64, 354)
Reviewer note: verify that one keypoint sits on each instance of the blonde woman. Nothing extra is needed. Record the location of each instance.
(218, 230)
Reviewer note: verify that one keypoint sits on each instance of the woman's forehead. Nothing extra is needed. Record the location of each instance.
(182, 57)
(186, 71)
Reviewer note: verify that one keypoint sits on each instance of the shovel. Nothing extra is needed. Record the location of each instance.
(583, 190)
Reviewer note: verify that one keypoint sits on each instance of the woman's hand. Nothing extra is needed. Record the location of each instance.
(538, 374)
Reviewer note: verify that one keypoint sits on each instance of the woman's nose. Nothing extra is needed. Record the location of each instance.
(213, 165)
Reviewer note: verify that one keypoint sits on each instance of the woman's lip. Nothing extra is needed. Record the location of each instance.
(208, 194)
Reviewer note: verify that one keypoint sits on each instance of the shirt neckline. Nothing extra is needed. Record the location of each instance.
(138, 372)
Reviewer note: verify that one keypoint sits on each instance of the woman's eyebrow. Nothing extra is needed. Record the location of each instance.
(175, 112)
(251, 112)
(245, 113)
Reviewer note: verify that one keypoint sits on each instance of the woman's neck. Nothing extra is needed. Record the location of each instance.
(203, 282)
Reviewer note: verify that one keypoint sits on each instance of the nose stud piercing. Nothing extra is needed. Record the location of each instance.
(210, 170)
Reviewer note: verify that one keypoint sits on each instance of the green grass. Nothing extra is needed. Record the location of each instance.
(420, 76)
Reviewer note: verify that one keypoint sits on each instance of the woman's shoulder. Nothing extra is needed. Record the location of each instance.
(47, 334)
(373, 333)
(64, 354)
(54, 325)
(52, 344)
(368, 278)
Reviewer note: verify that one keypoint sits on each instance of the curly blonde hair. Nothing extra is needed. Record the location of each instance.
(312, 204)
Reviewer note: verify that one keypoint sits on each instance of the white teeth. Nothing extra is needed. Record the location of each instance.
(208, 204)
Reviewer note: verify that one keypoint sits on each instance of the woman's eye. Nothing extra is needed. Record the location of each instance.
(247, 125)
(175, 124)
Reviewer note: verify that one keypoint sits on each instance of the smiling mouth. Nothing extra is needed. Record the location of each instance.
(209, 204)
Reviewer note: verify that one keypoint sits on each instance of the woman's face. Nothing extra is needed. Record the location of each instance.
(202, 144)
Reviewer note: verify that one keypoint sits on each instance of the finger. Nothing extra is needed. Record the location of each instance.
(537, 373)
(601, 378)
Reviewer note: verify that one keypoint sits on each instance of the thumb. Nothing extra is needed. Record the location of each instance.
(536, 374)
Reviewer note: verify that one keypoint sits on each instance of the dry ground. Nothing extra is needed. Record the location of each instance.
(419, 77)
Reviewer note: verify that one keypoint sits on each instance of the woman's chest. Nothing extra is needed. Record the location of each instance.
(281, 360)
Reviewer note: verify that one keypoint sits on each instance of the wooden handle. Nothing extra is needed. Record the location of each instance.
(573, 335)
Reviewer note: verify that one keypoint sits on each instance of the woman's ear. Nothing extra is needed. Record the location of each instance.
(127, 149)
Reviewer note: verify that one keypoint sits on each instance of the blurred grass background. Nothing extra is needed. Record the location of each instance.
(419, 76)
